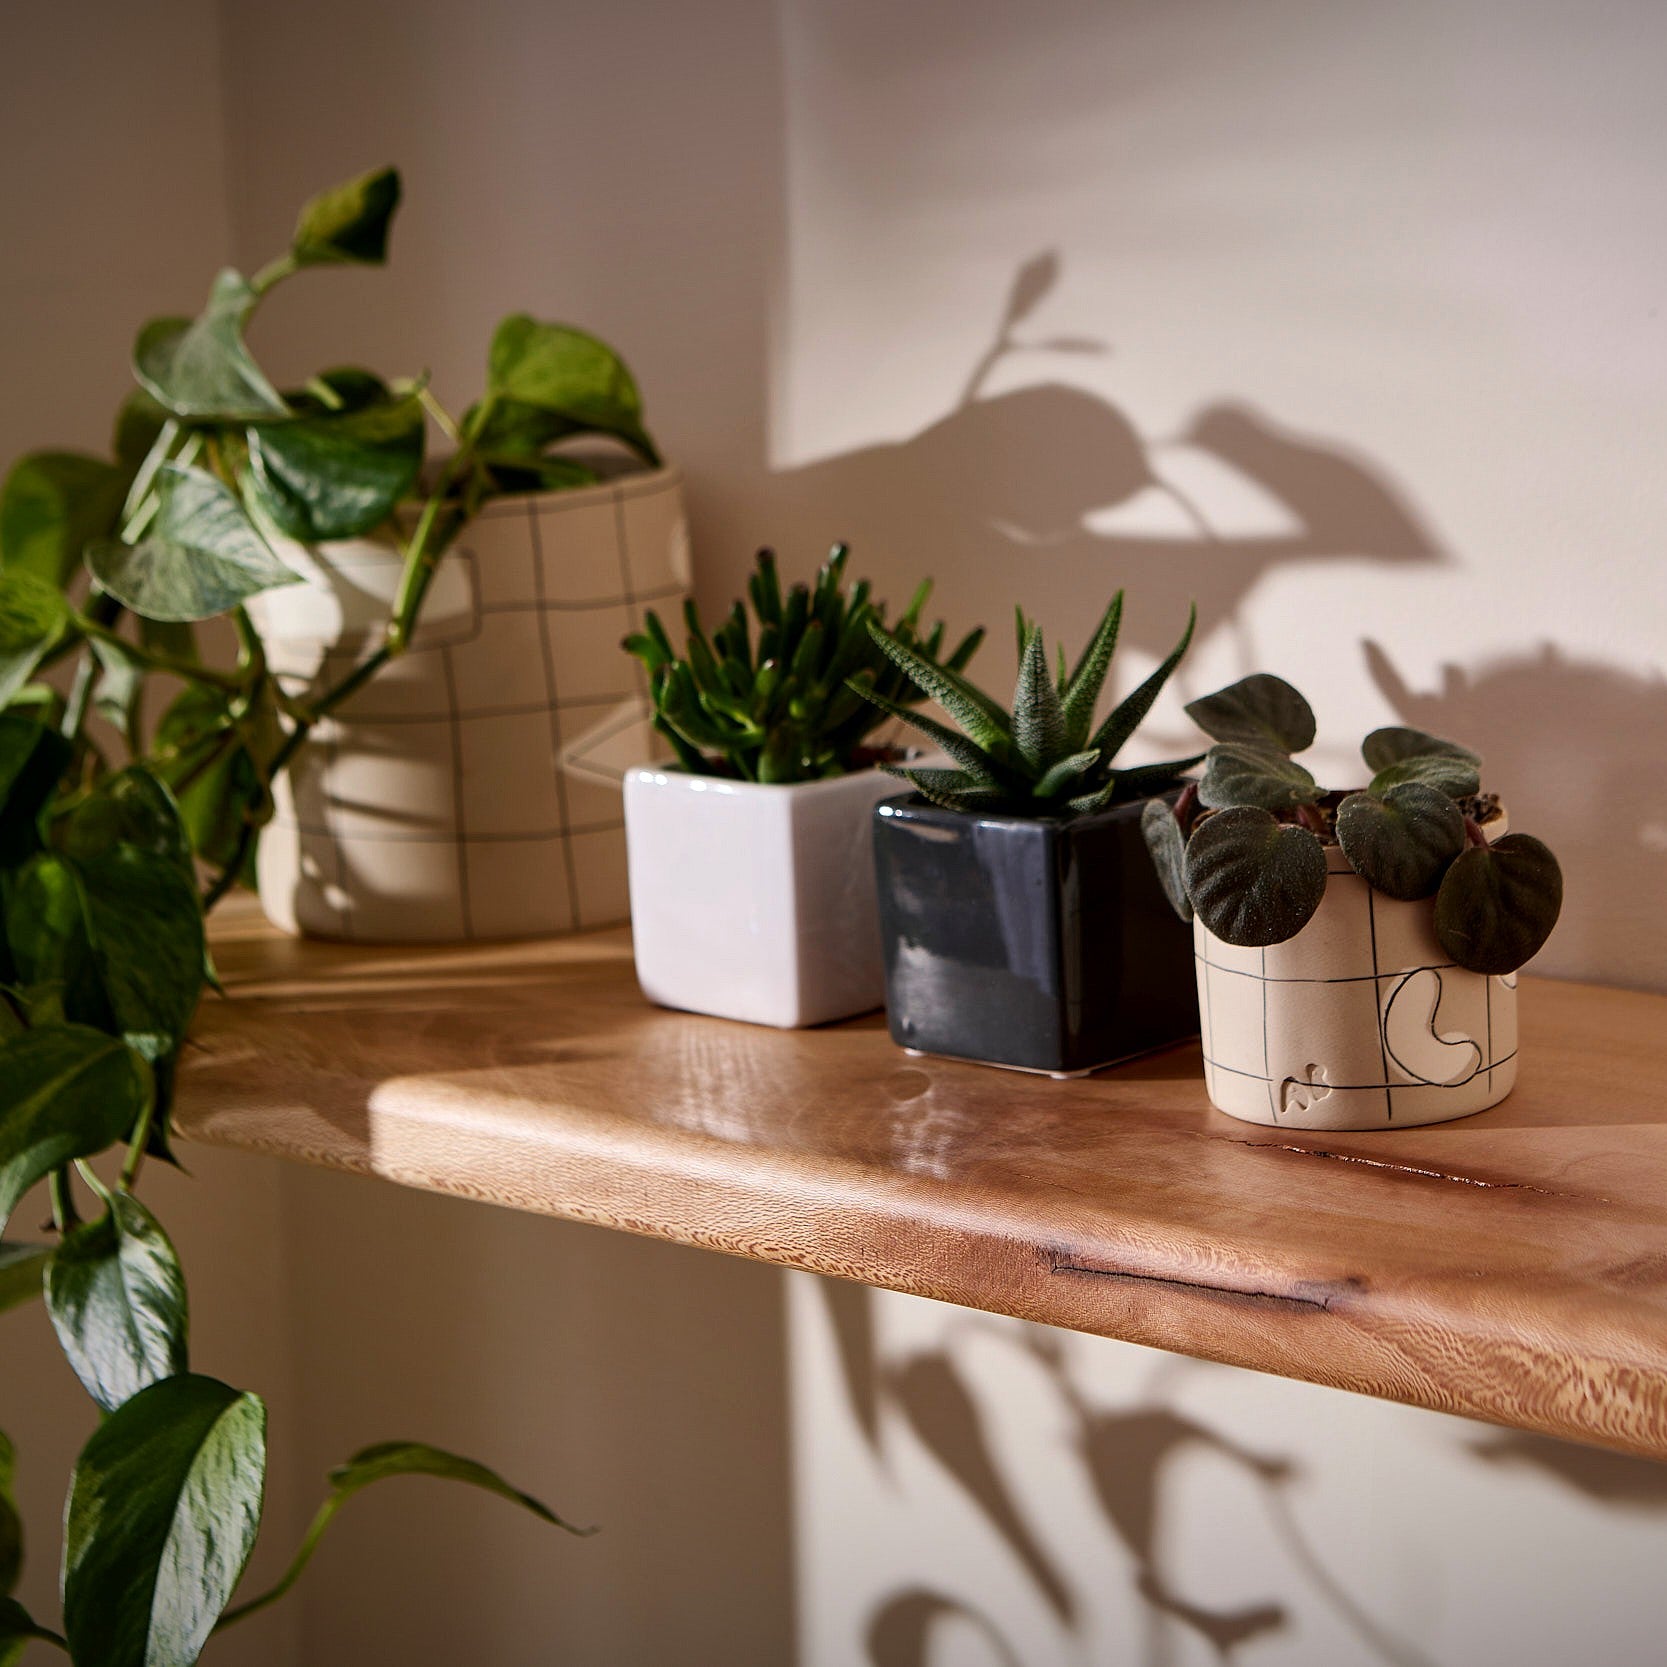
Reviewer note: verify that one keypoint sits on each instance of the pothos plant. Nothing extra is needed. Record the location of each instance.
(1046, 757)
(787, 705)
(1244, 847)
(113, 849)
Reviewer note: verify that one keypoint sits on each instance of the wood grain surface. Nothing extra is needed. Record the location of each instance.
(1512, 1266)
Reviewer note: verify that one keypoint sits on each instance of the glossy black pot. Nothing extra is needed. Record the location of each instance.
(1041, 944)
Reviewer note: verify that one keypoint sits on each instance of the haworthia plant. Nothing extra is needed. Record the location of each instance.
(1045, 757)
(1246, 849)
(784, 702)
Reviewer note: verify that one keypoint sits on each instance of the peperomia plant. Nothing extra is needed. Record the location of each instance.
(108, 865)
(1045, 757)
(1245, 847)
(787, 707)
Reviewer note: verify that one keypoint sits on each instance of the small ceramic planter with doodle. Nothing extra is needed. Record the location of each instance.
(1361, 1021)
(1356, 953)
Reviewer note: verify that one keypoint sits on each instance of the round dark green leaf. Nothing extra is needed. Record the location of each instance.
(1263, 710)
(1162, 834)
(1253, 881)
(1238, 773)
(66, 1091)
(1451, 776)
(1498, 904)
(1401, 842)
(163, 1509)
(116, 1297)
(1384, 747)
(1398, 755)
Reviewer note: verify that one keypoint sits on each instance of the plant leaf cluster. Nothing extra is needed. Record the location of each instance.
(1045, 756)
(1246, 849)
(777, 693)
(111, 852)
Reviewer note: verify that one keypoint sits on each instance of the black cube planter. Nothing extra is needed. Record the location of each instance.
(1039, 944)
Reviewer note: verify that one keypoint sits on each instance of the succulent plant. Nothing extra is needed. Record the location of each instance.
(789, 706)
(1045, 758)
(1245, 847)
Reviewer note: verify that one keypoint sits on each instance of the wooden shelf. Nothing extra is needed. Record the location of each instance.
(1512, 1266)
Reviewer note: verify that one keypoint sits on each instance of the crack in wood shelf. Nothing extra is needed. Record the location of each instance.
(1511, 1266)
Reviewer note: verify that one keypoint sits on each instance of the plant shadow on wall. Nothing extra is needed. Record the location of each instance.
(1129, 1458)
(1052, 470)
(1583, 747)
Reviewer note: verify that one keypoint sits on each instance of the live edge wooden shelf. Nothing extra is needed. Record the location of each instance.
(1512, 1266)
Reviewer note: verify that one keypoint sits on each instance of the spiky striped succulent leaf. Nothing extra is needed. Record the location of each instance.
(1033, 761)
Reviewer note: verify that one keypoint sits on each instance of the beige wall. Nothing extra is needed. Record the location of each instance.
(1345, 320)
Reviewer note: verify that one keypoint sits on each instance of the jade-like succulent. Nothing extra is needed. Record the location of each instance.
(1045, 758)
(789, 706)
(1244, 846)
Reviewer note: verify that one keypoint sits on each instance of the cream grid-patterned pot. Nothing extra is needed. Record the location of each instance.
(1361, 1021)
(472, 789)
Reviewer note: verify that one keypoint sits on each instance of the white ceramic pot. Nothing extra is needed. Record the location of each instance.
(472, 788)
(1361, 1021)
(753, 902)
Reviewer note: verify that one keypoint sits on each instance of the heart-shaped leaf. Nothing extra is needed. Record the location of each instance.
(1498, 904)
(163, 1509)
(11, 1521)
(201, 557)
(1253, 881)
(46, 938)
(200, 368)
(349, 222)
(145, 926)
(116, 1297)
(1239, 773)
(22, 1279)
(66, 1091)
(1262, 710)
(337, 475)
(1384, 747)
(568, 374)
(127, 850)
(1400, 842)
(33, 615)
(1164, 840)
(1452, 776)
(53, 505)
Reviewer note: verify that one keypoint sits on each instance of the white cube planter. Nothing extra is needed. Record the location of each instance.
(755, 902)
(1361, 1021)
(472, 788)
